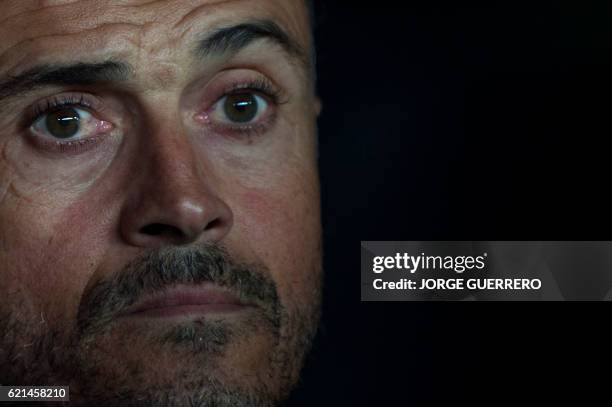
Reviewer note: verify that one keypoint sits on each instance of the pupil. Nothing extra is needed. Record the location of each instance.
(63, 123)
(241, 108)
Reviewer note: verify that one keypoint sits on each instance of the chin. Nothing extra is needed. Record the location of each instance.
(197, 362)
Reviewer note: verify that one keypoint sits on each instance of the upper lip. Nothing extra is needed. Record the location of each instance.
(176, 296)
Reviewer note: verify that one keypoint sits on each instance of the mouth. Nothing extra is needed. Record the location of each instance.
(187, 300)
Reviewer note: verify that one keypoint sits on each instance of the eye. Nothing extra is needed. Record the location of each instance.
(240, 108)
(66, 123)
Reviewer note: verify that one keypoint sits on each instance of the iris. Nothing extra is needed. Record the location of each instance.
(63, 123)
(241, 108)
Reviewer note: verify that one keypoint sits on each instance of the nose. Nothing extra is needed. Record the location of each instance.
(172, 200)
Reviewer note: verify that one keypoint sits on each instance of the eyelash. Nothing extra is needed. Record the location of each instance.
(258, 85)
(56, 103)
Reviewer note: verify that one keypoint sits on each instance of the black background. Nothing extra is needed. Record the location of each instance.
(460, 120)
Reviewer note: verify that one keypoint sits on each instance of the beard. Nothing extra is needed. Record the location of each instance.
(253, 359)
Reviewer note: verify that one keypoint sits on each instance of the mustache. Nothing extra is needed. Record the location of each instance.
(158, 269)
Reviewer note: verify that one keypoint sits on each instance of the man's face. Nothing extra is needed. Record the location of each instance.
(159, 202)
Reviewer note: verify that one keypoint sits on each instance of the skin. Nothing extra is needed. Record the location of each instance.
(72, 218)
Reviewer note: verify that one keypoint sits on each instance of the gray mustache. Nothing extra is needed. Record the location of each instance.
(159, 269)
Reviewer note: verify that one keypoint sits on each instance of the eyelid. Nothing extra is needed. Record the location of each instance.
(262, 88)
(233, 81)
(49, 104)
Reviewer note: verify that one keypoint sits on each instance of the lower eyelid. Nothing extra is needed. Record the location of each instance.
(74, 146)
(248, 130)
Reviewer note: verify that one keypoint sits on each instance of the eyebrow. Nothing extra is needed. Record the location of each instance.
(223, 41)
(235, 38)
(75, 74)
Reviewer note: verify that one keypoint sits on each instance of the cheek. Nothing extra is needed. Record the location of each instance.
(49, 219)
(282, 226)
(48, 253)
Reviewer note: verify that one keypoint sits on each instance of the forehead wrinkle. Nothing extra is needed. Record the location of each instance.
(220, 17)
(141, 3)
(39, 42)
(136, 33)
(77, 17)
(71, 21)
(25, 7)
(194, 13)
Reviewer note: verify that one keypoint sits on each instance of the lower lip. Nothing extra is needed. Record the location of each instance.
(188, 310)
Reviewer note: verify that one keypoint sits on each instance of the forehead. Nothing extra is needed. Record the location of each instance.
(35, 31)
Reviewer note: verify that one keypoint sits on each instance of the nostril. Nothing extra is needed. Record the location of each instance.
(160, 229)
(153, 229)
(215, 223)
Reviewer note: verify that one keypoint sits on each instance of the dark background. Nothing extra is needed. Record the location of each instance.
(461, 120)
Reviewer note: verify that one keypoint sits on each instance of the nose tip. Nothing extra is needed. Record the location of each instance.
(157, 223)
